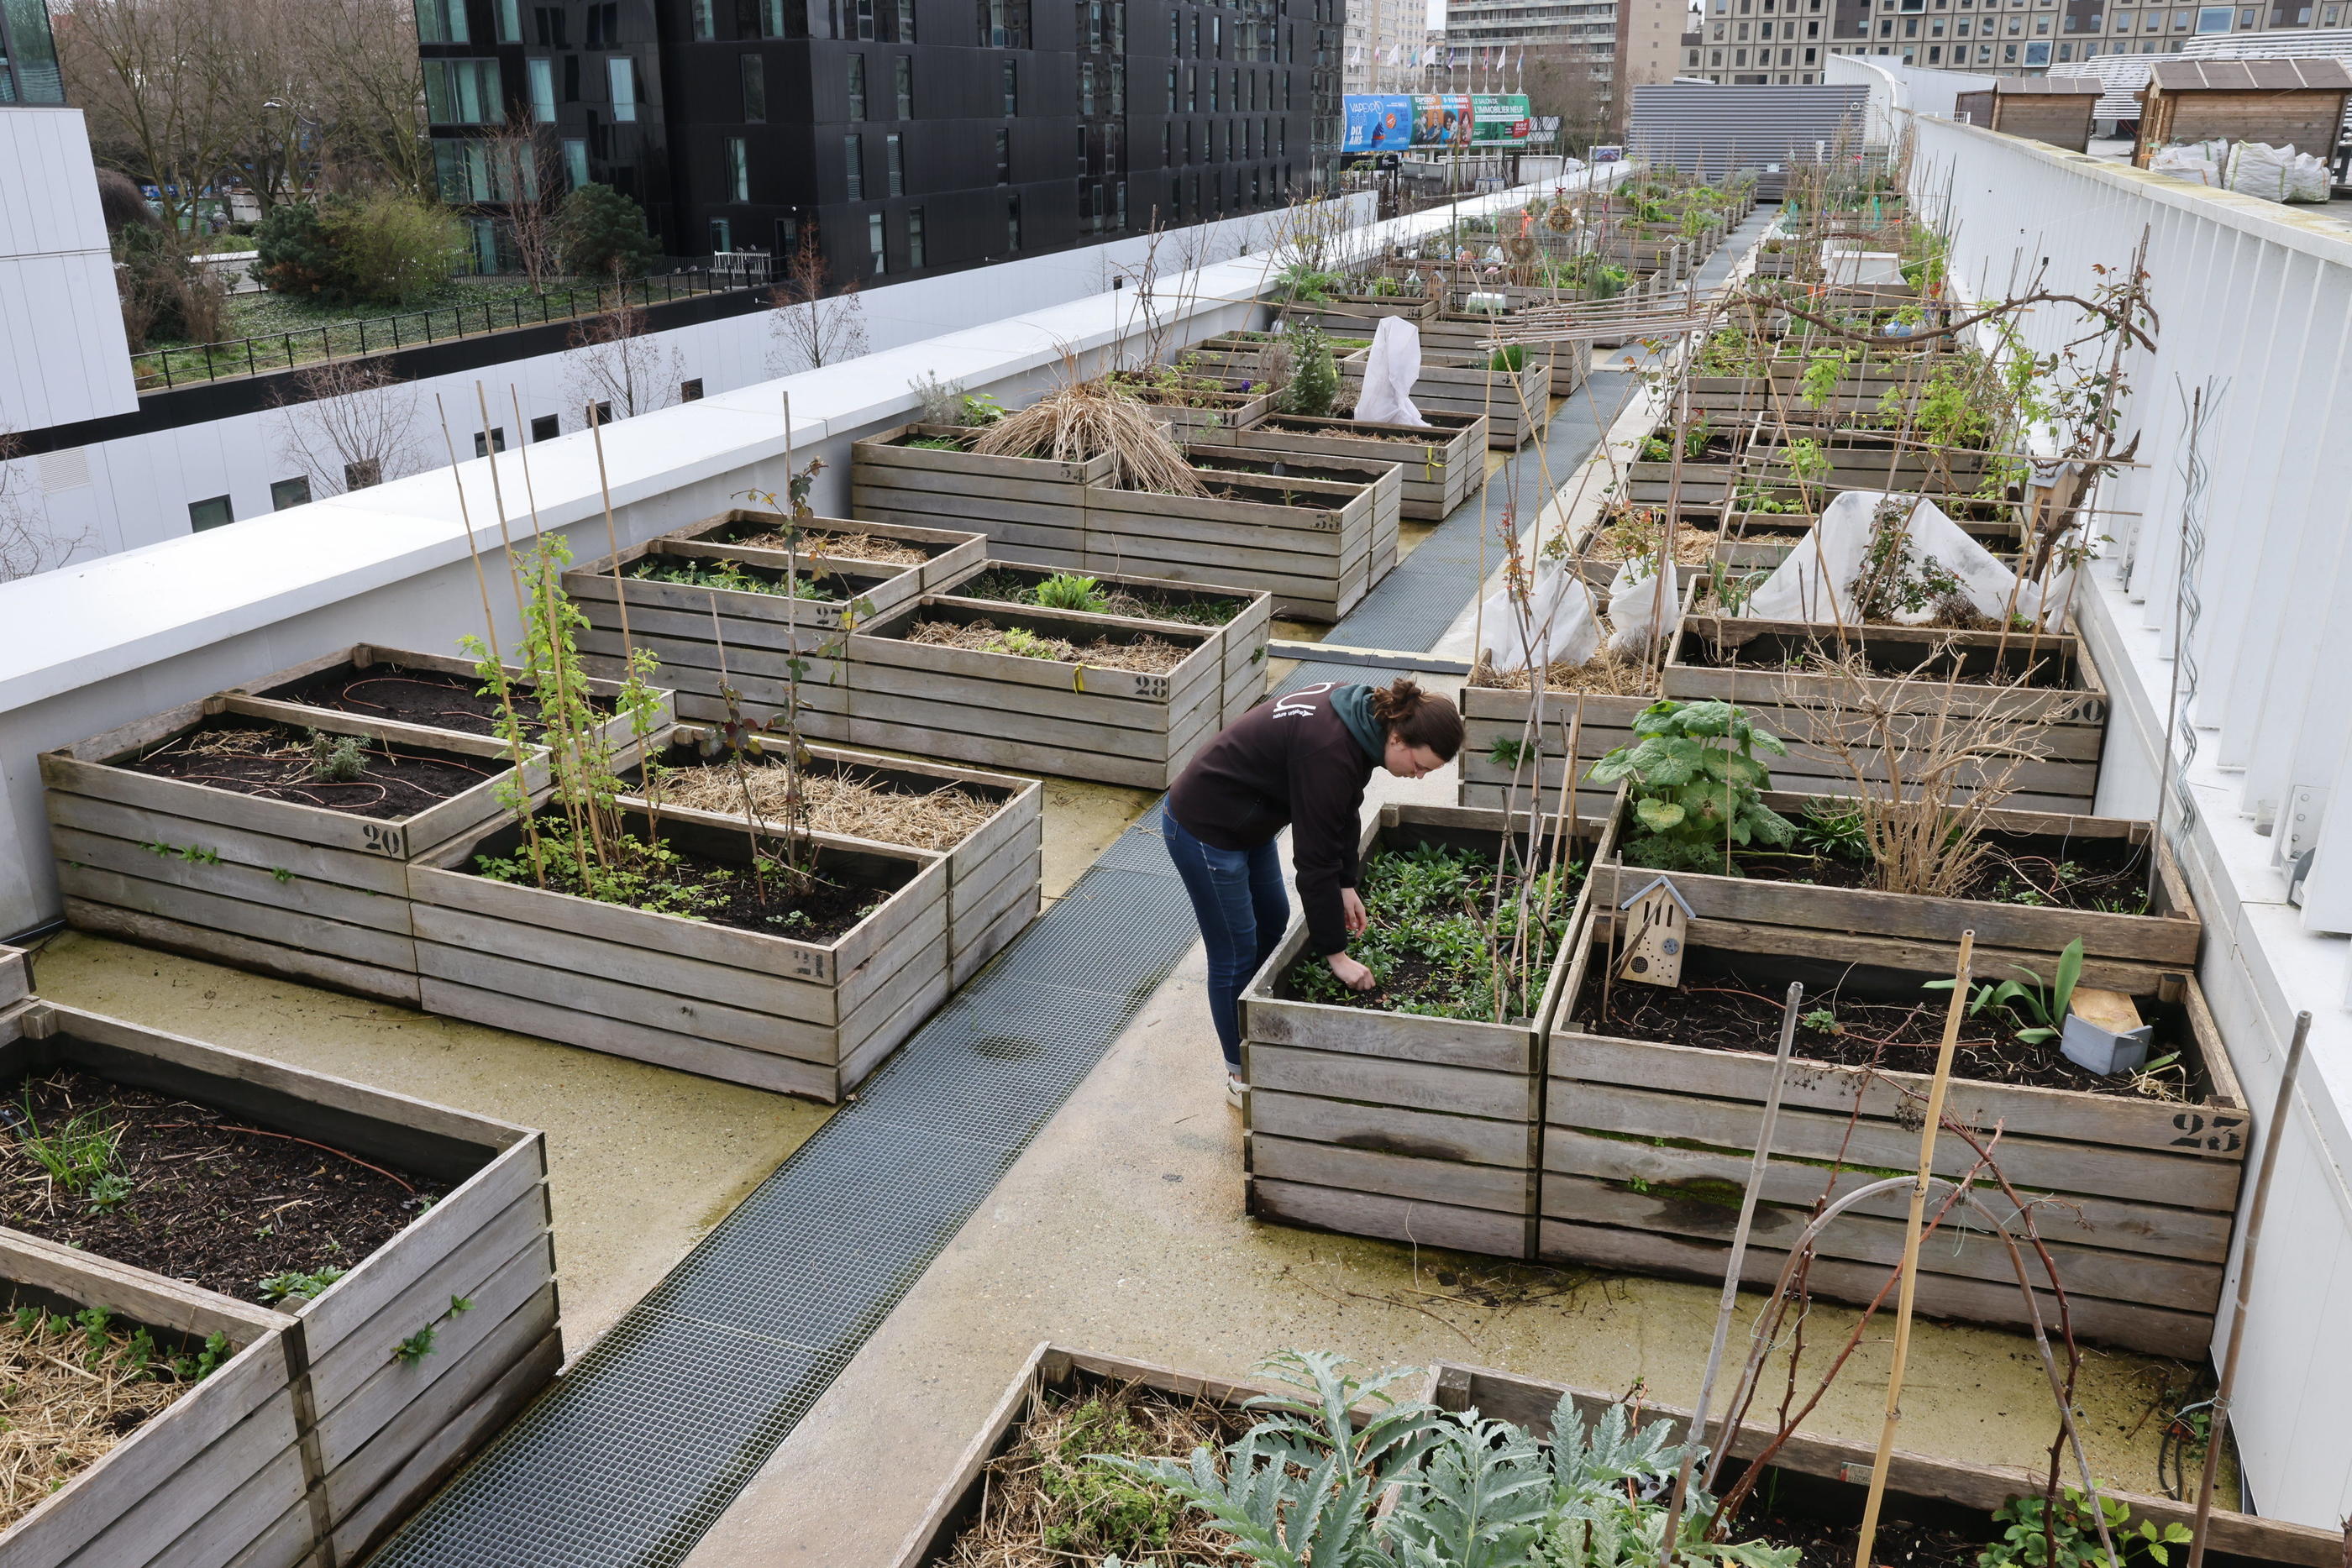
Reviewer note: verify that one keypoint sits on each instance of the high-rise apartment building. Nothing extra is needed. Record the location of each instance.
(28, 55)
(1386, 42)
(912, 135)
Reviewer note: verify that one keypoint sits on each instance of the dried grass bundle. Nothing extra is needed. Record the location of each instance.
(1147, 653)
(1045, 1504)
(1926, 772)
(1082, 421)
(65, 1403)
(1603, 675)
(838, 803)
(858, 546)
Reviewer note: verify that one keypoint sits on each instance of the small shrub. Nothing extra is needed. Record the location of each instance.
(602, 231)
(1314, 384)
(296, 255)
(1510, 357)
(393, 250)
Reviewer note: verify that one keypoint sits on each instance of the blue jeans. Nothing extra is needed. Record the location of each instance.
(1237, 895)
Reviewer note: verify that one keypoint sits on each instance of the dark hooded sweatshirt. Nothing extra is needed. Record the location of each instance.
(1300, 761)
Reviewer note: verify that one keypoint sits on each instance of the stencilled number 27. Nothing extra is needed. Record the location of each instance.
(2214, 1133)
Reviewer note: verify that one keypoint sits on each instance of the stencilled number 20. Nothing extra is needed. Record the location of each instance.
(384, 839)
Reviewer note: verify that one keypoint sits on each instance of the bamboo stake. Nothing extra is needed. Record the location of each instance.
(2282, 1108)
(585, 745)
(638, 731)
(1734, 1266)
(1910, 1289)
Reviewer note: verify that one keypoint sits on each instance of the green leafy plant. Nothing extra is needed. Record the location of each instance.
(76, 1155)
(417, 1346)
(1510, 358)
(734, 577)
(936, 443)
(982, 408)
(602, 232)
(2042, 1005)
(1698, 787)
(1835, 832)
(215, 1354)
(1313, 383)
(1508, 751)
(1023, 643)
(1819, 381)
(2067, 1534)
(108, 1191)
(336, 758)
(297, 1286)
(1066, 591)
(1822, 1021)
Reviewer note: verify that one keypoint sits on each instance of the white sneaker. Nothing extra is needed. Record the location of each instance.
(1234, 1090)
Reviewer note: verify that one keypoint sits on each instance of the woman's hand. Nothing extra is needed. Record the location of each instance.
(1352, 974)
(1351, 909)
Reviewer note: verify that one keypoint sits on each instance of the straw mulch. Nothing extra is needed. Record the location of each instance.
(841, 547)
(1603, 675)
(1084, 420)
(1147, 655)
(1046, 1504)
(64, 1404)
(838, 803)
(1692, 546)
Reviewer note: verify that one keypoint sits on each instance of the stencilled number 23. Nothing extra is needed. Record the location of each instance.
(2199, 1131)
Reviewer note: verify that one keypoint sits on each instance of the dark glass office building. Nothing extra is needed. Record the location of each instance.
(914, 135)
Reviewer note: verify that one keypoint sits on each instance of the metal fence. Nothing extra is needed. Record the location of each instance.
(196, 363)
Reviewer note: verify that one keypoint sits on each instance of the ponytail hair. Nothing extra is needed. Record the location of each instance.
(1417, 718)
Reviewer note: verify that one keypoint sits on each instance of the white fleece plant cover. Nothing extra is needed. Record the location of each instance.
(1389, 373)
(1816, 581)
(1638, 605)
(1560, 629)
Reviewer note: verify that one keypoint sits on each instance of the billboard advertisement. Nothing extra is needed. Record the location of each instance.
(1377, 122)
(1393, 122)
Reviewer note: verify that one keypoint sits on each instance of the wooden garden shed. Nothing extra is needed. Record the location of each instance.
(2279, 102)
(2055, 110)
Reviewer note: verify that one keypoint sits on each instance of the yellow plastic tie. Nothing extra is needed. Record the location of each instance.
(1079, 678)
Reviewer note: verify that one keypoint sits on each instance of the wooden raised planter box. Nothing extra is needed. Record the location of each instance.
(1313, 552)
(1383, 476)
(1708, 483)
(2070, 708)
(763, 632)
(1358, 315)
(16, 976)
(1647, 1144)
(1200, 415)
(1042, 715)
(994, 872)
(1392, 1124)
(304, 892)
(1461, 383)
(1564, 365)
(328, 687)
(1240, 640)
(811, 1018)
(1598, 724)
(947, 552)
(1440, 463)
(378, 1434)
(1826, 1478)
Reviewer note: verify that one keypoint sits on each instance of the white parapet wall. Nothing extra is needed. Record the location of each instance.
(2254, 302)
(62, 357)
(98, 643)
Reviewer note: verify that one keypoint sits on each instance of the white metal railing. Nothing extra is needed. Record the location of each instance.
(2254, 302)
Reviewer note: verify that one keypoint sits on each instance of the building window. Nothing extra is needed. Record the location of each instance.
(509, 21)
(1086, 87)
(546, 427)
(462, 92)
(212, 513)
(365, 473)
(1004, 157)
(914, 239)
(894, 163)
(1012, 89)
(755, 90)
(1013, 223)
(722, 236)
(575, 163)
(739, 171)
(1004, 24)
(2213, 19)
(874, 243)
(543, 90)
(620, 73)
(442, 21)
(853, 157)
(862, 21)
(902, 82)
(294, 492)
(906, 21)
(857, 87)
(496, 442)
(603, 414)
(705, 20)
(690, 392)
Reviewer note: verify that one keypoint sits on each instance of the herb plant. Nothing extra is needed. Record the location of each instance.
(2067, 1535)
(2040, 1006)
(1697, 787)
(296, 1286)
(1065, 590)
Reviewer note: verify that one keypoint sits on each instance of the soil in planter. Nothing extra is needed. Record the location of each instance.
(1900, 1542)
(817, 542)
(851, 802)
(2108, 876)
(664, 879)
(1047, 1501)
(435, 699)
(73, 1387)
(1011, 585)
(1427, 945)
(1605, 675)
(1719, 1007)
(189, 1192)
(1145, 652)
(734, 577)
(2049, 671)
(283, 762)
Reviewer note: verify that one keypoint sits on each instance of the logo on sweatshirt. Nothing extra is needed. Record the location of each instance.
(1292, 707)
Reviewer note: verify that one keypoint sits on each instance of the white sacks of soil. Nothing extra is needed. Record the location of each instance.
(1824, 576)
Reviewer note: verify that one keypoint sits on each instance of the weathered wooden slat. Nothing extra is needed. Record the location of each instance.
(616, 1036)
(282, 899)
(395, 986)
(1391, 1129)
(1421, 1180)
(1391, 1218)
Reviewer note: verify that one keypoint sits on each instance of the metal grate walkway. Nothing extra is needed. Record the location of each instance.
(639, 1447)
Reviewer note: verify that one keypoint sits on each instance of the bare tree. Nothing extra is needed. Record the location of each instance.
(361, 57)
(150, 75)
(620, 364)
(811, 324)
(27, 543)
(1571, 80)
(522, 179)
(350, 424)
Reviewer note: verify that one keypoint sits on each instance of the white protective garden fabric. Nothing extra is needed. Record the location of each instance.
(1816, 581)
(1639, 605)
(1557, 630)
(1393, 366)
